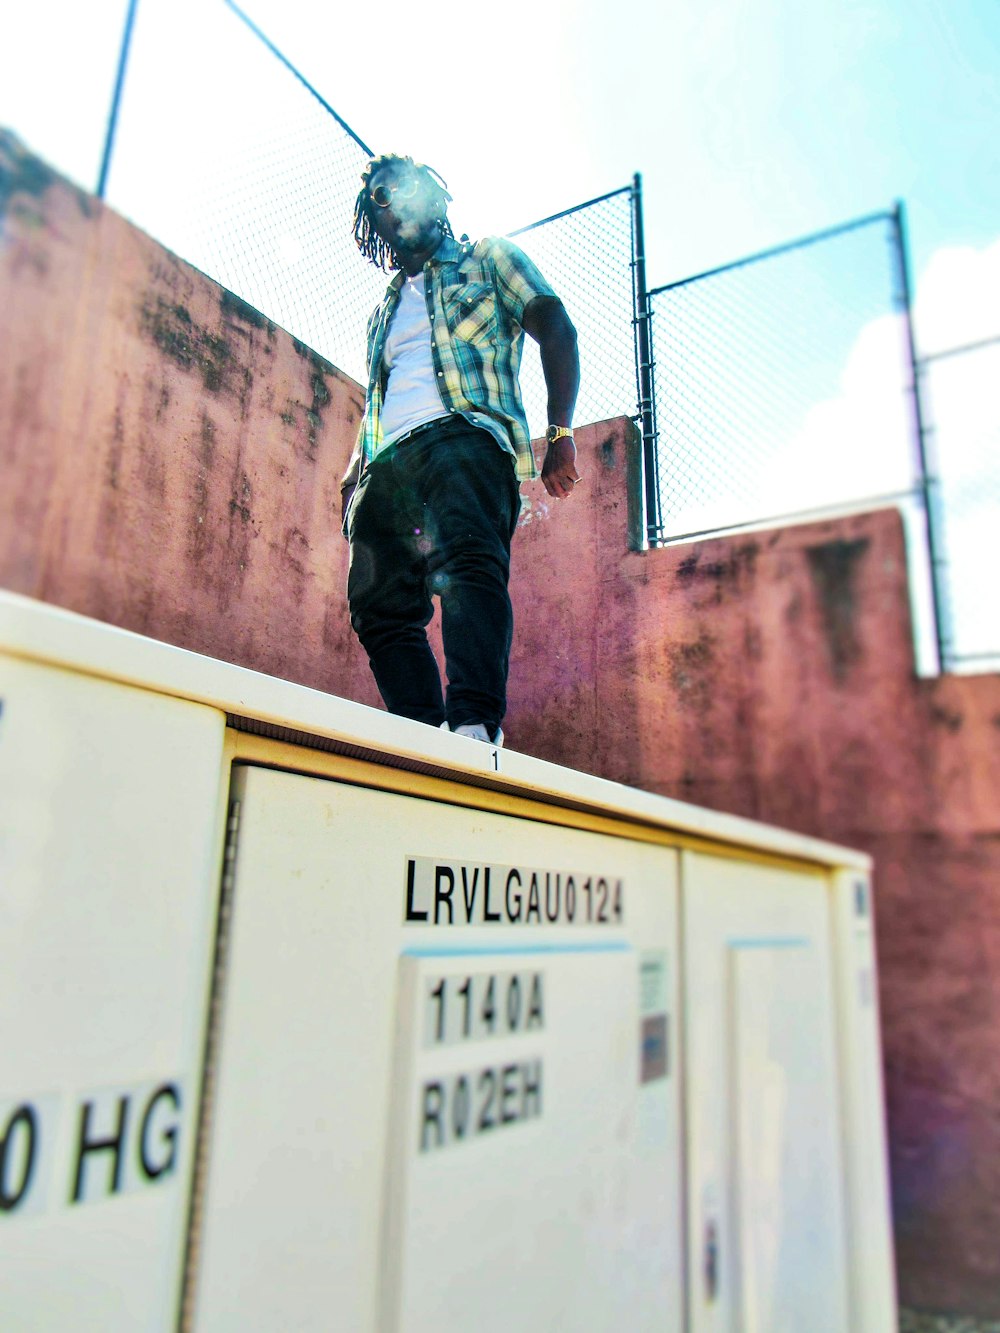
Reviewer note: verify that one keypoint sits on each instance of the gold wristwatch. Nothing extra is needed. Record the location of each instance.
(558, 433)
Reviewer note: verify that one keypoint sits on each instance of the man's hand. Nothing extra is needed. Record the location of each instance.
(559, 474)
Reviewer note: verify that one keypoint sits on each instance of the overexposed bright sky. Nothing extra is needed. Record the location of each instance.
(752, 121)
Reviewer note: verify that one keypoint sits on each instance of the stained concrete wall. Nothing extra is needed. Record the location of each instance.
(171, 459)
(171, 464)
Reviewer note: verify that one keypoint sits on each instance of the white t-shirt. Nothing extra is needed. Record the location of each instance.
(411, 396)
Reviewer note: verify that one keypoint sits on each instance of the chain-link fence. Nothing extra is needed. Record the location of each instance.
(780, 384)
(254, 181)
(586, 253)
(786, 386)
(266, 209)
(961, 398)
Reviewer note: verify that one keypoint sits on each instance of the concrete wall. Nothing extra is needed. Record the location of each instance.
(171, 464)
(171, 460)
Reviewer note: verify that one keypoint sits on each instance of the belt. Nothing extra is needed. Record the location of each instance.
(438, 424)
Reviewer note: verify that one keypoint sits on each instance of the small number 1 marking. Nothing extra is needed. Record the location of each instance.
(496, 761)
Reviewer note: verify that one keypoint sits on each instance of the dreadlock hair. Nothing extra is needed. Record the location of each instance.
(369, 242)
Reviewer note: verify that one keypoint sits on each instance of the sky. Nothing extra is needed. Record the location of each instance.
(752, 122)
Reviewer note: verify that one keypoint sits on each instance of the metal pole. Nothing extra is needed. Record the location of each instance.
(261, 36)
(644, 366)
(109, 138)
(926, 481)
(568, 212)
(814, 238)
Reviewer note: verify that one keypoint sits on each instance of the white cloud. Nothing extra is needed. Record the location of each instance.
(958, 303)
(866, 432)
(858, 444)
(958, 298)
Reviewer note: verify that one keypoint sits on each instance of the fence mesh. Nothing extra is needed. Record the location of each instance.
(586, 255)
(962, 411)
(254, 181)
(780, 384)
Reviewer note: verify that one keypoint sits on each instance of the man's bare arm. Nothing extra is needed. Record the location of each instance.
(546, 320)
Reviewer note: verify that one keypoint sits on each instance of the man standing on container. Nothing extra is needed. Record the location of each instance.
(431, 496)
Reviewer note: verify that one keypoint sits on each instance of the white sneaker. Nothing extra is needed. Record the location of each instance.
(476, 731)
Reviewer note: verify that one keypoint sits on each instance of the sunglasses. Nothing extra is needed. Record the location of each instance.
(382, 195)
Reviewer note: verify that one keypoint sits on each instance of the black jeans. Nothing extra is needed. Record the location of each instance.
(434, 515)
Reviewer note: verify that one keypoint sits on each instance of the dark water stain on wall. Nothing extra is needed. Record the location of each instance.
(319, 362)
(201, 541)
(113, 495)
(719, 576)
(295, 554)
(239, 504)
(320, 368)
(23, 174)
(948, 718)
(692, 672)
(235, 308)
(206, 441)
(834, 568)
(116, 449)
(199, 535)
(231, 574)
(171, 328)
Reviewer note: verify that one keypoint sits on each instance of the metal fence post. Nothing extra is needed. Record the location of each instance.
(927, 482)
(283, 59)
(109, 137)
(644, 367)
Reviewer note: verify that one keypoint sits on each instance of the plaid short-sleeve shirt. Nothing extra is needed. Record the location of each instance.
(476, 295)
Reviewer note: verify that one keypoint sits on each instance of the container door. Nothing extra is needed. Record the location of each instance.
(766, 1216)
(110, 837)
(445, 1092)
